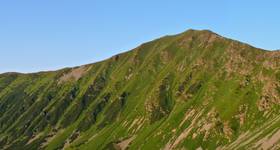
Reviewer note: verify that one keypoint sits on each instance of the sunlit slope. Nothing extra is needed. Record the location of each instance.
(191, 90)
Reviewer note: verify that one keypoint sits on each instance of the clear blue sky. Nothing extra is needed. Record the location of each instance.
(50, 34)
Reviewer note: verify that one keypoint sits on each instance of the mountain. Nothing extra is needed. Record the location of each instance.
(194, 90)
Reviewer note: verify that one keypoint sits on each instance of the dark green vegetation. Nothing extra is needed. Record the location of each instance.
(192, 90)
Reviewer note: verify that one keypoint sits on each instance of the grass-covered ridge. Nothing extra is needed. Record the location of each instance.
(191, 90)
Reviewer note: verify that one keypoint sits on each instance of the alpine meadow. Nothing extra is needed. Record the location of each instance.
(193, 90)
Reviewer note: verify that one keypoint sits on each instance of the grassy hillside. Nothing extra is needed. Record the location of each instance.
(194, 90)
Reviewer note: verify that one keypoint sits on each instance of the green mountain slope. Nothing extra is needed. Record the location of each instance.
(194, 90)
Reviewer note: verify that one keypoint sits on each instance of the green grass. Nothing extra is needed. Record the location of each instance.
(150, 90)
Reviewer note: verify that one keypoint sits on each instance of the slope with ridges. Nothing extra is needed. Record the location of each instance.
(195, 89)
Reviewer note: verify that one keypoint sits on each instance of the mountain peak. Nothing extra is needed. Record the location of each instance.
(195, 31)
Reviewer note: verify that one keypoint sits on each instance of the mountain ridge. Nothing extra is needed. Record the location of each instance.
(189, 30)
